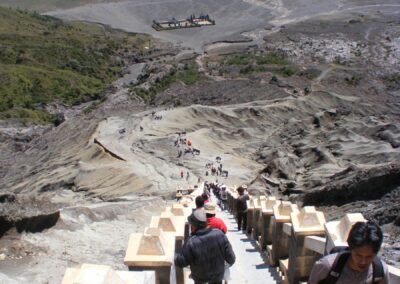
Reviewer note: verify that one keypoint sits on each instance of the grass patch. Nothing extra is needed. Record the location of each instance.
(310, 73)
(392, 81)
(242, 59)
(255, 63)
(27, 116)
(189, 75)
(287, 71)
(254, 59)
(271, 59)
(43, 60)
(46, 5)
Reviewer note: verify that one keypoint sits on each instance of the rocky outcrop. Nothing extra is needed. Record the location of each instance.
(26, 214)
(355, 184)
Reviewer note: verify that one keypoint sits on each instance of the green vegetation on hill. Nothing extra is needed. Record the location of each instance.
(189, 75)
(254, 63)
(392, 81)
(264, 59)
(43, 60)
(46, 5)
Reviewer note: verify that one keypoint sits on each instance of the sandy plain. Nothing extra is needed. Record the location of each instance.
(319, 147)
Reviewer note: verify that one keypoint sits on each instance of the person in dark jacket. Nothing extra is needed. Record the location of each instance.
(205, 251)
(199, 202)
(241, 206)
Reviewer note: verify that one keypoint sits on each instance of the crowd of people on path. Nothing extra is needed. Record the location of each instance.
(219, 191)
(216, 170)
(209, 253)
(181, 140)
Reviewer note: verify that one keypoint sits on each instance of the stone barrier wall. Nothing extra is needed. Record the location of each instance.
(294, 238)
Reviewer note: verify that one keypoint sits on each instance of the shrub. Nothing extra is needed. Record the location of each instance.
(46, 60)
(288, 71)
(392, 81)
(353, 80)
(272, 58)
(242, 59)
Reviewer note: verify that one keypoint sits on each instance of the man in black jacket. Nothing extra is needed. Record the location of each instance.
(205, 251)
(241, 206)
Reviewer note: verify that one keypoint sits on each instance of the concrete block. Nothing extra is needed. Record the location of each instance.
(268, 203)
(269, 254)
(280, 243)
(394, 274)
(257, 214)
(250, 212)
(102, 274)
(338, 231)
(178, 209)
(265, 224)
(176, 225)
(151, 249)
(169, 223)
(280, 240)
(287, 228)
(316, 244)
(308, 221)
(283, 266)
(283, 210)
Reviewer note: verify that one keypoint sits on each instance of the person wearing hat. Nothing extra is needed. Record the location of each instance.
(205, 251)
(212, 221)
(241, 207)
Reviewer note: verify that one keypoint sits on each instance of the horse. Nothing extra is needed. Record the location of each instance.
(224, 173)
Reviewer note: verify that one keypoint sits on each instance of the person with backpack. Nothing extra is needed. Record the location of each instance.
(206, 251)
(357, 264)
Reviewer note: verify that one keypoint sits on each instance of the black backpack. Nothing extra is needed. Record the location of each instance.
(340, 261)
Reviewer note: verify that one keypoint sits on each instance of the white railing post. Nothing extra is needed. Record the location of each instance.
(250, 212)
(307, 222)
(280, 241)
(152, 250)
(266, 215)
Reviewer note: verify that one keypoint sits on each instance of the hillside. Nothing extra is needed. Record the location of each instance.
(44, 60)
(308, 111)
(46, 5)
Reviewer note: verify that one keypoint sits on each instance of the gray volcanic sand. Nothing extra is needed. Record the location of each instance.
(246, 135)
(233, 17)
(297, 140)
(87, 233)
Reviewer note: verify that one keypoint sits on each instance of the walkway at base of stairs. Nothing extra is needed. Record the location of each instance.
(250, 266)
